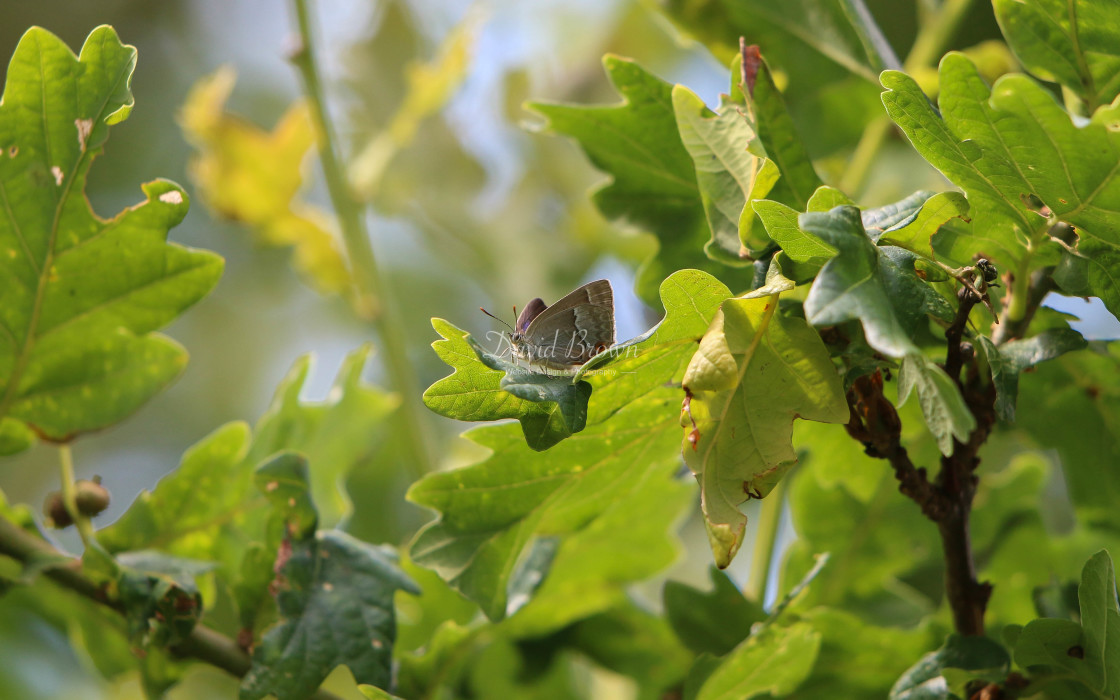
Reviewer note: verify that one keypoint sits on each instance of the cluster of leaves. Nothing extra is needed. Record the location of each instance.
(779, 294)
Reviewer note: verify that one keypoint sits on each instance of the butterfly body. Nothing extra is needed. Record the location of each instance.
(568, 333)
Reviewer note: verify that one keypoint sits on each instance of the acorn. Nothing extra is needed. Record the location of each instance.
(90, 496)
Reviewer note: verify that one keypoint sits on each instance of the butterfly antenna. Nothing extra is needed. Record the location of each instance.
(495, 318)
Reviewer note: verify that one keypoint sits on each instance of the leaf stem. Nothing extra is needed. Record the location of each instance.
(765, 540)
(374, 300)
(202, 644)
(932, 38)
(70, 495)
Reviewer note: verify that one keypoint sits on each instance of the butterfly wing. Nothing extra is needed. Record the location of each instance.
(574, 329)
(530, 312)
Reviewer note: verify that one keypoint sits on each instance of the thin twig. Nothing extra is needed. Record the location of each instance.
(374, 295)
(202, 644)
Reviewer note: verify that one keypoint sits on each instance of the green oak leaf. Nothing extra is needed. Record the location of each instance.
(336, 607)
(959, 141)
(946, 413)
(915, 231)
(490, 511)
(1012, 141)
(633, 642)
(777, 134)
(731, 171)
(496, 512)
(485, 387)
(926, 680)
(334, 595)
(336, 434)
(1011, 358)
(862, 658)
(81, 295)
(753, 374)
(653, 181)
(628, 541)
(775, 661)
(159, 596)
(1089, 652)
(1100, 618)
(712, 622)
(875, 284)
(804, 254)
(1074, 43)
(803, 34)
(208, 508)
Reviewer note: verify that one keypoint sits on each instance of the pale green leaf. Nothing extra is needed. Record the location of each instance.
(736, 445)
(946, 413)
(915, 232)
(729, 173)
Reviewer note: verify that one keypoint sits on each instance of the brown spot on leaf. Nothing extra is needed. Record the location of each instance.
(1076, 652)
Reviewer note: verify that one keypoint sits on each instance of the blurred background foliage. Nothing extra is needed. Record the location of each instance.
(471, 208)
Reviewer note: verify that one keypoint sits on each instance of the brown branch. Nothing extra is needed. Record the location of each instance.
(954, 356)
(874, 421)
(948, 502)
(203, 643)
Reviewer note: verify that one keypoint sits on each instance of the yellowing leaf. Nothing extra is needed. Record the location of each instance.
(430, 86)
(254, 177)
(753, 374)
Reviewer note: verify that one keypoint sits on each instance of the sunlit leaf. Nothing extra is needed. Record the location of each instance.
(591, 568)
(491, 511)
(551, 407)
(729, 172)
(1073, 43)
(915, 231)
(737, 443)
(208, 508)
(1013, 141)
(77, 352)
